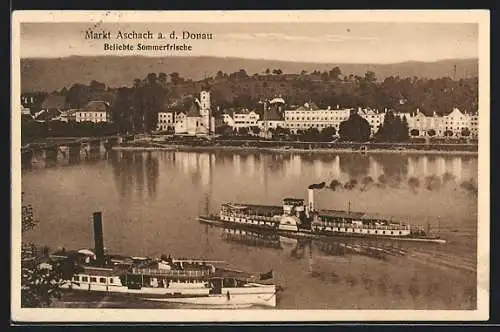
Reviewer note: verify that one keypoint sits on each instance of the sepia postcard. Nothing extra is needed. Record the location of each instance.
(250, 166)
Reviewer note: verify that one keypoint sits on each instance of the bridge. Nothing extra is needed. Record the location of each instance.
(68, 147)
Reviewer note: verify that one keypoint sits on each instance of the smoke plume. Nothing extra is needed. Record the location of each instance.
(351, 184)
(335, 184)
(366, 181)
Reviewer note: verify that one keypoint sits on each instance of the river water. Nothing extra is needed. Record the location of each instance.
(149, 202)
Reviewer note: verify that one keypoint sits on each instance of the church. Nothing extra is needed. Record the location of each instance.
(197, 120)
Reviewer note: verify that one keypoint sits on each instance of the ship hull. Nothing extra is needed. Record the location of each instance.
(306, 233)
(264, 296)
(149, 291)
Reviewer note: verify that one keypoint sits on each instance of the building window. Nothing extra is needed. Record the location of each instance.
(76, 278)
(85, 279)
(102, 280)
(93, 279)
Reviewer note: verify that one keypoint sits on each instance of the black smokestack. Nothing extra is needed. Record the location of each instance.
(98, 238)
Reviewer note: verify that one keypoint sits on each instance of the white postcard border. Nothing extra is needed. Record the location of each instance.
(481, 17)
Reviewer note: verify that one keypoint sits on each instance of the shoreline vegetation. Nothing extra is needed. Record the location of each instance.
(283, 148)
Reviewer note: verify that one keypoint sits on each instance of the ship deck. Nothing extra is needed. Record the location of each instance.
(362, 216)
(260, 209)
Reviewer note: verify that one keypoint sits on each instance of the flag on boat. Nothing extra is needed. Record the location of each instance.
(267, 275)
(317, 185)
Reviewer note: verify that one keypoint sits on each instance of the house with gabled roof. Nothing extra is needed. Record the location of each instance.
(241, 118)
(94, 111)
(51, 108)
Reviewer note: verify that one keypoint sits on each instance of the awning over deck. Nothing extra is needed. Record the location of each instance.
(231, 274)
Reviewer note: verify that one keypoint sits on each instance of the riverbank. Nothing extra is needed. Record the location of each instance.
(214, 148)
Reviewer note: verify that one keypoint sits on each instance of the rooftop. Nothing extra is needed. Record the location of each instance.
(54, 102)
(96, 106)
(194, 110)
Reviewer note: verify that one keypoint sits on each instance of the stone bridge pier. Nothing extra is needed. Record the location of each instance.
(51, 153)
(74, 150)
(94, 147)
(110, 142)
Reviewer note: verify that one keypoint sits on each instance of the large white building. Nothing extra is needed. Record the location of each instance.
(452, 124)
(421, 124)
(94, 111)
(309, 116)
(166, 120)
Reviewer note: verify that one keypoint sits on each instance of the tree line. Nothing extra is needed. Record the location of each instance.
(135, 107)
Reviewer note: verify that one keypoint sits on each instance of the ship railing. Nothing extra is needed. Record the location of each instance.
(378, 227)
(170, 273)
(248, 216)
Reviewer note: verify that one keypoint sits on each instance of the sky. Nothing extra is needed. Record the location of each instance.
(305, 42)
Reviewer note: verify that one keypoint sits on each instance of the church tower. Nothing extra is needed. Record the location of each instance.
(205, 109)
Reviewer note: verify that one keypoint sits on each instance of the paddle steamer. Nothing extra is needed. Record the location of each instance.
(177, 280)
(294, 217)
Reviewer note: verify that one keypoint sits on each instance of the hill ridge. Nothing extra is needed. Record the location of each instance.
(49, 74)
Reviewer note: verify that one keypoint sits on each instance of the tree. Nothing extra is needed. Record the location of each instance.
(280, 132)
(96, 86)
(243, 131)
(311, 134)
(325, 76)
(394, 129)
(219, 75)
(465, 132)
(355, 129)
(328, 133)
(277, 71)
(404, 133)
(370, 77)
(41, 276)
(267, 71)
(242, 73)
(175, 78)
(335, 73)
(431, 132)
(78, 95)
(162, 78)
(414, 132)
(122, 110)
(255, 130)
(224, 130)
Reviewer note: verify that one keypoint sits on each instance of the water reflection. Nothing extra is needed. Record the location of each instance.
(150, 200)
(135, 172)
(300, 248)
(354, 171)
